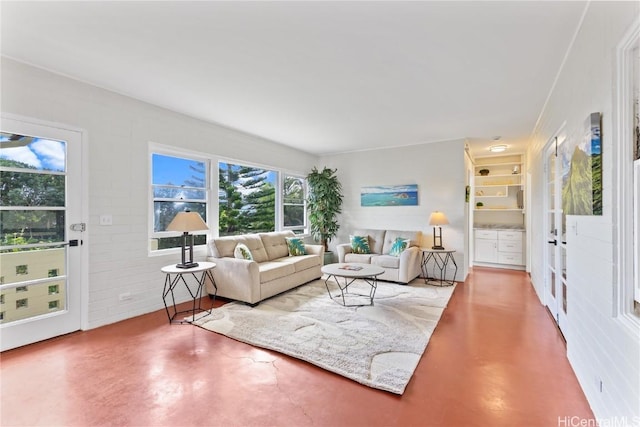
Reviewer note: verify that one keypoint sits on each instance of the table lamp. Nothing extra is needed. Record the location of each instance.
(187, 221)
(437, 218)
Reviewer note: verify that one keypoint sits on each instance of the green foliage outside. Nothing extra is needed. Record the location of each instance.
(247, 200)
(27, 189)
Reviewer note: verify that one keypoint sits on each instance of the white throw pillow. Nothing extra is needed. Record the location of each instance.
(242, 252)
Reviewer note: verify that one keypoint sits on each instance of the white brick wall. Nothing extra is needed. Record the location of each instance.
(600, 347)
(119, 130)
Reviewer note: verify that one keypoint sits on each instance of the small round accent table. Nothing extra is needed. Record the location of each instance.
(349, 273)
(175, 275)
(441, 259)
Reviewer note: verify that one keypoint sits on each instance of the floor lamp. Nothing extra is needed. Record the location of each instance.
(437, 219)
(185, 222)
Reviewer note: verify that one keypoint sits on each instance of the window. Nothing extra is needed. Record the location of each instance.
(54, 289)
(178, 183)
(22, 303)
(22, 269)
(246, 199)
(22, 289)
(294, 215)
(53, 305)
(54, 272)
(1, 298)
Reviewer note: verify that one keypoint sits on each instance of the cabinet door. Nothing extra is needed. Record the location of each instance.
(486, 250)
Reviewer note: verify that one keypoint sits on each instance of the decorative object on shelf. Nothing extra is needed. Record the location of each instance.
(185, 222)
(467, 192)
(479, 193)
(439, 219)
(479, 205)
(389, 195)
(582, 191)
(483, 172)
(516, 170)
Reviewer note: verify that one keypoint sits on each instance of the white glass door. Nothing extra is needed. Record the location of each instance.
(41, 232)
(555, 229)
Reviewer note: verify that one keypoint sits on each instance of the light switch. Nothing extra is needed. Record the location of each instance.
(106, 219)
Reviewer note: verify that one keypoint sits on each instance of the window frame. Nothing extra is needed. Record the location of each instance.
(625, 216)
(212, 204)
(183, 154)
(305, 189)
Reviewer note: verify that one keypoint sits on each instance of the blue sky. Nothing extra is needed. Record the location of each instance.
(42, 154)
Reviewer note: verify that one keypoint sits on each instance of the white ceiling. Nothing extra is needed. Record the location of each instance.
(323, 77)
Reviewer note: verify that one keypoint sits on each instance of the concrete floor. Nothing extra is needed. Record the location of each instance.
(495, 359)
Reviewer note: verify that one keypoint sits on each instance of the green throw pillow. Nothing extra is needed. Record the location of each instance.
(242, 252)
(398, 246)
(296, 246)
(360, 244)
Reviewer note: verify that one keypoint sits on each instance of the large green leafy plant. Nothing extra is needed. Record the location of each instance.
(324, 203)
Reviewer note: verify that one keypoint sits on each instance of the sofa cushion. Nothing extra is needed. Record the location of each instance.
(361, 258)
(275, 243)
(360, 244)
(391, 236)
(242, 252)
(224, 246)
(272, 270)
(376, 238)
(302, 262)
(295, 246)
(386, 261)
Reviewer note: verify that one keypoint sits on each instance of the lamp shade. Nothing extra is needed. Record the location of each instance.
(438, 218)
(187, 221)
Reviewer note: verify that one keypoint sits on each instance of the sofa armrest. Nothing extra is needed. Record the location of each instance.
(410, 264)
(314, 250)
(343, 249)
(237, 279)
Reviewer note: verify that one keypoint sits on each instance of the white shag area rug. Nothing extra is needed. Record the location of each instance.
(378, 346)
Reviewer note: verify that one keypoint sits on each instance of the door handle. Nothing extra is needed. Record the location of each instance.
(555, 242)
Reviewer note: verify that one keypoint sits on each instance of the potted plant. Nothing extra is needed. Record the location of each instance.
(479, 205)
(324, 203)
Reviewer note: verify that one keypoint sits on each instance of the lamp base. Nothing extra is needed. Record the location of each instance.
(437, 247)
(187, 265)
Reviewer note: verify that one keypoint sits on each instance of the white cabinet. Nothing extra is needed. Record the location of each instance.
(486, 246)
(500, 247)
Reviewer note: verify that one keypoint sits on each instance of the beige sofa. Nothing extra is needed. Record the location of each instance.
(271, 271)
(402, 269)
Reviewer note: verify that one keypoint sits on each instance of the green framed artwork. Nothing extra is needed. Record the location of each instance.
(582, 166)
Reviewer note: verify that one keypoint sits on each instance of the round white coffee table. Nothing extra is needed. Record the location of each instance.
(344, 274)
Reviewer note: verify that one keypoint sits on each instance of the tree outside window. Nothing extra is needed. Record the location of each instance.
(247, 199)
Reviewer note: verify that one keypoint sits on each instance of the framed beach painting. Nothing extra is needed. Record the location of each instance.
(582, 177)
(389, 195)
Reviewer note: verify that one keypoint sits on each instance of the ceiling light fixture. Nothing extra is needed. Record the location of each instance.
(498, 148)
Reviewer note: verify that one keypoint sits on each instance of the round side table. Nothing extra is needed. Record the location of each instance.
(174, 276)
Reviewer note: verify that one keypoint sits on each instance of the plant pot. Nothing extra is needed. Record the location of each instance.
(328, 257)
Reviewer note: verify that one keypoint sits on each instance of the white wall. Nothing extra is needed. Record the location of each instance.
(600, 346)
(439, 171)
(119, 130)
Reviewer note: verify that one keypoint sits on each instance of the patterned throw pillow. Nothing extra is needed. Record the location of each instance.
(296, 246)
(398, 246)
(242, 252)
(360, 244)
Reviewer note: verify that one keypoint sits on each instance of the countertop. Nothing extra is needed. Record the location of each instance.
(498, 227)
